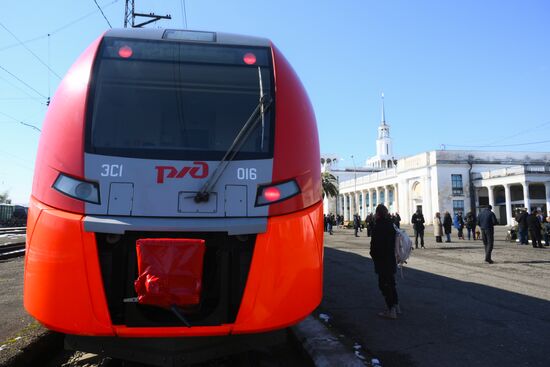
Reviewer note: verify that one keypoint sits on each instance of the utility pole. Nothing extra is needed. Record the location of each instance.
(130, 16)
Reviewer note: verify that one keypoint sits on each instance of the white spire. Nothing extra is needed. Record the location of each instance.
(383, 122)
(384, 150)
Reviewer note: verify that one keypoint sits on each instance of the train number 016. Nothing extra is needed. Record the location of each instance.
(246, 173)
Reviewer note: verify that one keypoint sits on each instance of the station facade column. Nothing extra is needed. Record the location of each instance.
(346, 207)
(508, 203)
(372, 192)
(395, 199)
(491, 196)
(357, 206)
(363, 204)
(547, 191)
(526, 199)
(427, 200)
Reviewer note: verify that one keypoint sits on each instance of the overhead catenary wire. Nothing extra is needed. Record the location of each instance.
(22, 82)
(19, 98)
(31, 97)
(49, 79)
(59, 29)
(497, 146)
(515, 135)
(21, 122)
(524, 131)
(31, 52)
(102, 13)
(19, 159)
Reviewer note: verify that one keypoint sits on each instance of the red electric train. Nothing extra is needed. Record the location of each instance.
(177, 192)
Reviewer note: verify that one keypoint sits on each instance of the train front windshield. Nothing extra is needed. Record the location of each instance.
(171, 100)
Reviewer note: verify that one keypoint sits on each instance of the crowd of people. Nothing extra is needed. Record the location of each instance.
(534, 225)
(381, 227)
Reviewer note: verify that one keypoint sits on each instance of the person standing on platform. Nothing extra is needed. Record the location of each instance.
(330, 223)
(356, 224)
(486, 221)
(382, 251)
(535, 227)
(447, 225)
(418, 225)
(370, 224)
(459, 225)
(521, 218)
(471, 225)
(546, 231)
(397, 220)
(438, 228)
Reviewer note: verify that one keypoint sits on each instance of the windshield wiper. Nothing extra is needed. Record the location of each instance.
(256, 116)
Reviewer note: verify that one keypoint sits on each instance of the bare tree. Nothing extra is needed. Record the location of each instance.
(5, 198)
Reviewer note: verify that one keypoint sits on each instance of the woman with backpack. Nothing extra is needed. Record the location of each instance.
(382, 251)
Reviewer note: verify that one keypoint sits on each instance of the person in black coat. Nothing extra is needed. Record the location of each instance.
(418, 221)
(370, 223)
(382, 251)
(486, 221)
(521, 218)
(447, 226)
(397, 220)
(471, 225)
(534, 225)
(356, 224)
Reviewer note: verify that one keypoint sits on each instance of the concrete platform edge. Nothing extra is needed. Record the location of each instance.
(324, 348)
(35, 351)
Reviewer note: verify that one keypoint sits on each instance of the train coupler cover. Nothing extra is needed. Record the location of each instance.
(169, 271)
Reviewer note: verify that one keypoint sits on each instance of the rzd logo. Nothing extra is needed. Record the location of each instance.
(199, 170)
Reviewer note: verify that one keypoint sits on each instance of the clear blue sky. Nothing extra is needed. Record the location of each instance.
(463, 72)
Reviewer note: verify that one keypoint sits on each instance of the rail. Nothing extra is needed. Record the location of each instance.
(12, 250)
(13, 230)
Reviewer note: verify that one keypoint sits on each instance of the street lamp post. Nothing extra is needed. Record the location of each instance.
(354, 180)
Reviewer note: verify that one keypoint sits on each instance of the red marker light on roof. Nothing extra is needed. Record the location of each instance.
(125, 52)
(249, 58)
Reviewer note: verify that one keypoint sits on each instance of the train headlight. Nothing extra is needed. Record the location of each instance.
(77, 189)
(270, 194)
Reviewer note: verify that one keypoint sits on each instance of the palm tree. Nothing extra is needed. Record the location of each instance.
(330, 184)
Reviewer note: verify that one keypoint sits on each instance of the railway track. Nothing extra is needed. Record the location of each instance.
(13, 230)
(13, 247)
(11, 250)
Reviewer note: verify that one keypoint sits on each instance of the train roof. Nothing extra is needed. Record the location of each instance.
(185, 35)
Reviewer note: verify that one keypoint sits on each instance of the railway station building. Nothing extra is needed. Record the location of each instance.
(440, 181)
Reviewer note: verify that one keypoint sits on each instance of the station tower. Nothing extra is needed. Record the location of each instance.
(384, 157)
